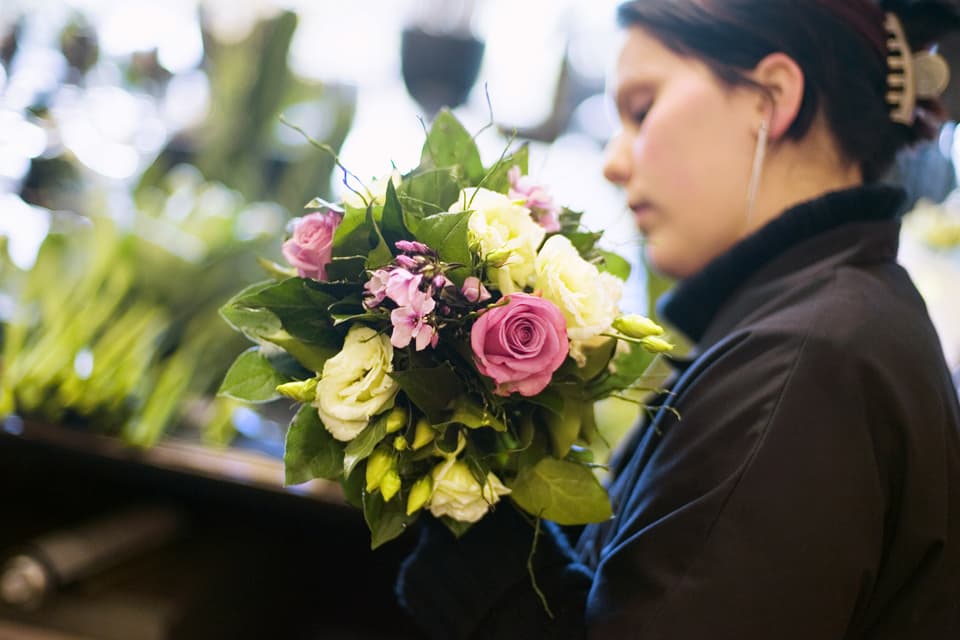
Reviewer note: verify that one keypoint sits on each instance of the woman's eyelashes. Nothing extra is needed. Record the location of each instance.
(637, 116)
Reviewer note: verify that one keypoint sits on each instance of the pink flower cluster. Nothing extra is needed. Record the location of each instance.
(416, 284)
(536, 198)
(310, 247)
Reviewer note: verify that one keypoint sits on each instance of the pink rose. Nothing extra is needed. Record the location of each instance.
(310, 247)
(536, 198)
(520, 344)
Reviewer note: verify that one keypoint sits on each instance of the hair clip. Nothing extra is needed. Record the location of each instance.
(911, 76)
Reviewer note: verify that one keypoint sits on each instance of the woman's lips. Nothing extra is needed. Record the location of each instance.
(641, 213)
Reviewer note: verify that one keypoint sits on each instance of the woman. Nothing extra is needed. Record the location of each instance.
(811, 487)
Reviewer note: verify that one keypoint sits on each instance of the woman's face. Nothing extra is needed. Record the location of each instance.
(684, 154)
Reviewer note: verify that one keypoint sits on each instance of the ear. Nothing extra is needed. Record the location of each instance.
(783, 81)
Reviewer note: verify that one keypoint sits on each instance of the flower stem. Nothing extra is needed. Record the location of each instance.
(533, 577)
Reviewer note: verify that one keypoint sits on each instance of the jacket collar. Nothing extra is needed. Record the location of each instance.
(695, 302)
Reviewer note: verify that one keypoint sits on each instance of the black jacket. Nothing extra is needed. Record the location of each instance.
(810, 488)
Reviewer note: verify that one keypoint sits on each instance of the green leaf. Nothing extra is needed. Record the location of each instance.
(473, 416)
(310, 451)
(584, 241)
(598, 357)
(448, 144)
(311, 356)
(352, 237)
(369, 316)
(363, 445)
(549, 399)
(347, 269)
(277, 271)
(448, 234)
(285, 364)
(251, 378)
(615, 264)
(322, 205)
(253, 323)
(626, 368)
(564, 428)
(379, 254)
(353, 486)
(497, 178)
(432, 390)
(301, 309)
(570, 221)
(456, 527)
(564, 492)
(292, 315)
(386, 520)
(391, 222)
(427, 193)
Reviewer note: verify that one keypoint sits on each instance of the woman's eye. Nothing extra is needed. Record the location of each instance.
(637, 116)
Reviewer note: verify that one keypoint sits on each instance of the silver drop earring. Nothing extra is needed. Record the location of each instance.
(758, 157)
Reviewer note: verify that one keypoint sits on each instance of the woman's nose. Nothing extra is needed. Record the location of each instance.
(616, 166)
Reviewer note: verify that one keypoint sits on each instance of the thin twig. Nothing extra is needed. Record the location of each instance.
(333, 153)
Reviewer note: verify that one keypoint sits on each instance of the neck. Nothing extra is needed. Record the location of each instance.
(795, 173)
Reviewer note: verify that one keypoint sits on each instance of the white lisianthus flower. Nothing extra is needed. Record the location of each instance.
(355, 384)
(588, 298)
(456, 493)
(505, 235)
(375, 193)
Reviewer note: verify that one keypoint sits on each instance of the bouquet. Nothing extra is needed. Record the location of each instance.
(447, 333)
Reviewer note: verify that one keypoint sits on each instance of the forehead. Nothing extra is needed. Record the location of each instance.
(643, 59)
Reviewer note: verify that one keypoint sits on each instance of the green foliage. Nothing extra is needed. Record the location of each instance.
(432, 389)
(448, 234)
(290, 314)
(363, 445)
(564, 492)
(310, 451)
(104, 334)
(251, 378)
(448, 144)
(386, 520)
(625, 369)
(498, 180)
(615, 265)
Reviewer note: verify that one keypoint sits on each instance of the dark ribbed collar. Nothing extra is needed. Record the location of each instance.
(694, 302)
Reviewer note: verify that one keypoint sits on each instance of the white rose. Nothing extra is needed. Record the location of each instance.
(501, 227)
(456, 493)
(355, 384)
(588, 299)
(375, 194)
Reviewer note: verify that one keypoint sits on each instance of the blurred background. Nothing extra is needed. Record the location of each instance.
(144, 168)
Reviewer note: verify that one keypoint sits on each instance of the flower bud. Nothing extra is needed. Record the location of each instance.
(390, 485)
(474, 291)
(655, 344)
(412, 246)
(424, 434)
(378, 464)
(397, 419)
(637, 326)
(419, 494)
(499, 257)
(299, 390)
(406, 262)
